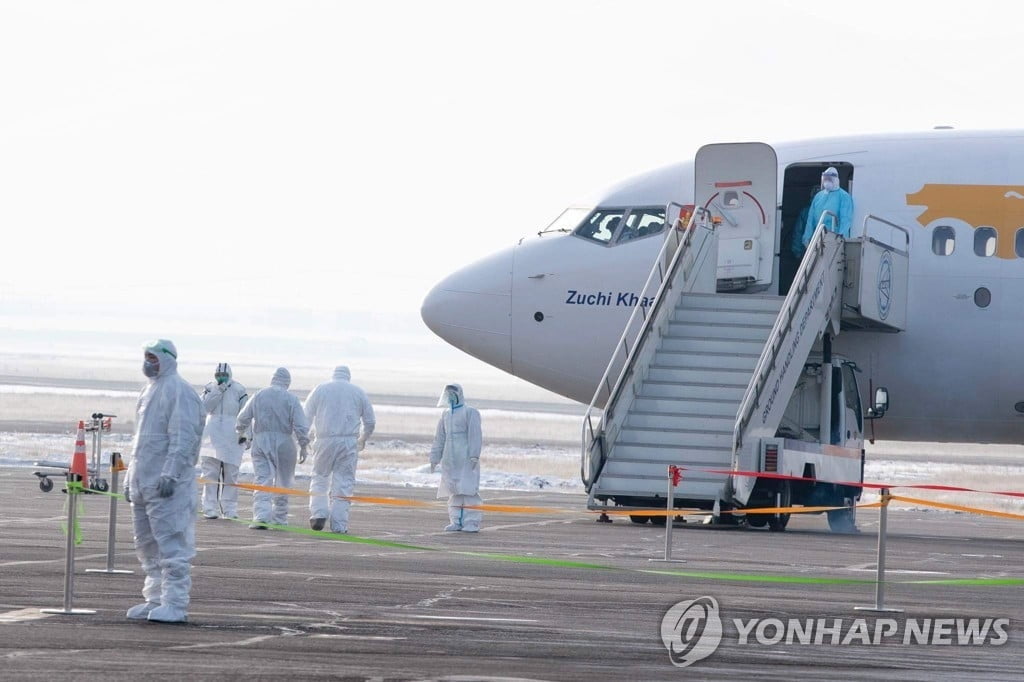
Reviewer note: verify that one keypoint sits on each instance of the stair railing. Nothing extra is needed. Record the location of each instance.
(669, 260)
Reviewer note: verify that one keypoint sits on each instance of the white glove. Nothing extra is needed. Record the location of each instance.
(222, 387)
(474, 462)
(360, 443)
(303, 453)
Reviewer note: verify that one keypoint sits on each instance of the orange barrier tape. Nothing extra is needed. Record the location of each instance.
(852, 484)
(957, 507)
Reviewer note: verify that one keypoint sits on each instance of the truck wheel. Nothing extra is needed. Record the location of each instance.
(757, 520)
(45, 484)
(777, 522)
(639, 519)
(102, 485)
(843, 520)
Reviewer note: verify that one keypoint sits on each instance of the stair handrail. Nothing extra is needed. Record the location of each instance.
(906, 234)
(783, 323)
(666, 274)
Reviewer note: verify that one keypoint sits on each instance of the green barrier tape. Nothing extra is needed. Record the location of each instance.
(342, 537)
(563, 563)
(541, 561)
(966, 581)
(74, 489)
(755, 578)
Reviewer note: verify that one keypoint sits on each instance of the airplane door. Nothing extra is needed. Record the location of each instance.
(738, 183)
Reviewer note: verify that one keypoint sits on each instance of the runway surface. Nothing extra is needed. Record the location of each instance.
(274, 604)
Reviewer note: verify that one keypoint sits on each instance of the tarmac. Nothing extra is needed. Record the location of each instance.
(277, 604)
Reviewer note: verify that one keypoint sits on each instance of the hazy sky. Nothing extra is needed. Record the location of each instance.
(339, 156)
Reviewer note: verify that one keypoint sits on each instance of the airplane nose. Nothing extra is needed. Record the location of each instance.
(472, 309)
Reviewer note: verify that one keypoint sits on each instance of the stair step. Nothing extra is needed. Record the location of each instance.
(697, 344)
(732, 332)
(641, 469)
(681, 439)
(682, 422)
(761, 318)
(693, 406)
(665, 389)
(705, 360)
(654, 486)
(731, 302)
(704, 457)
(714, 377)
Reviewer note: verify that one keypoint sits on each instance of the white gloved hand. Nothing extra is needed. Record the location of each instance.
(360, 443)
(222, 387)
(474, 462)
(303, 453)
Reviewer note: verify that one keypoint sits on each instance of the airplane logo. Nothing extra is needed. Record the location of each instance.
(998, 206)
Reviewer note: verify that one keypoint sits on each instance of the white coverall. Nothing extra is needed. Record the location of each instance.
(457, 445)
(335, 410)
(221, 403)
(275, 414)
(168, 430)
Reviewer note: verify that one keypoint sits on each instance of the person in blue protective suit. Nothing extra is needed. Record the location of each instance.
(223, 398)
(272, 416)
(457, 444)
(335, 410)
(161, 485)
(833, 199)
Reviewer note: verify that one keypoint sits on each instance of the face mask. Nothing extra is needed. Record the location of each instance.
(830, 183)
(150, 369)
(222, 379)
(453, 399)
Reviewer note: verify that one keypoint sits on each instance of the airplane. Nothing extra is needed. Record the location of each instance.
(551, 308)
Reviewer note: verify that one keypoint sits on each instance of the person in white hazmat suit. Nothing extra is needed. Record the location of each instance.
(161, 485)
(457, 445)
(335, 410)
(272, 416)
(223, 398)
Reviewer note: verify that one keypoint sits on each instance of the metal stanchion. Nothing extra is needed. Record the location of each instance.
(880, 576)
(675, 474)
(116, 467)
(74, 486)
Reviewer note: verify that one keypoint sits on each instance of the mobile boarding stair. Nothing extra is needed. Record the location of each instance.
(701, 379)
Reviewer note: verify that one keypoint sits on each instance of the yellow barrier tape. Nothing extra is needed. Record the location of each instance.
(514, 509)
(958, 507)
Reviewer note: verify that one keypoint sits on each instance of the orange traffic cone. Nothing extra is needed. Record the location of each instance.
(78, 462)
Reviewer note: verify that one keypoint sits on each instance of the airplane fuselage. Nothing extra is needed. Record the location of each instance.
(551, 309)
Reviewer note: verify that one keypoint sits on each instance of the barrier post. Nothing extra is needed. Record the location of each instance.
(74, 487)
(675, 474)
(879, 606)
(116, 467)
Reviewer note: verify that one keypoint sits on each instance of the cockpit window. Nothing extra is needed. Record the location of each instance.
(568, 220)
(619, 225)
(642, 222)
(601, 225)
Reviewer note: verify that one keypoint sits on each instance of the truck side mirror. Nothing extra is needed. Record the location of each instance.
(877, 411)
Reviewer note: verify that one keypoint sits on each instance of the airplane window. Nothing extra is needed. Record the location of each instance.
(601, 225)
(642, 222)
(1018, 243)
(943, 240)
(568, 220)
(985, 242)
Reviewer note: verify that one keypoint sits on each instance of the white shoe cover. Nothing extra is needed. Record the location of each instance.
(168, 614)
(140, 611)
(452, 527)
